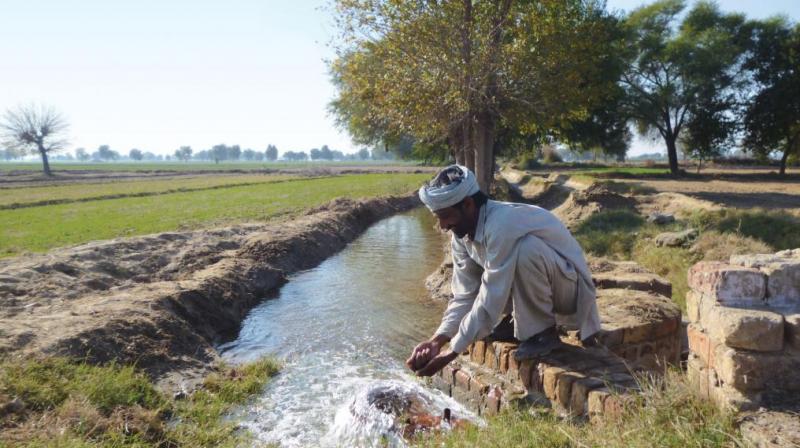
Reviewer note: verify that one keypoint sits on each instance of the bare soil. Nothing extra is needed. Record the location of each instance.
(162, 301)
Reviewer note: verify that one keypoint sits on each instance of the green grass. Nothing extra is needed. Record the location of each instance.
(68, 403)
(666, 414)
(39, 229)
(193, 166)
(776, 228)
(41, 195)
(610, 233)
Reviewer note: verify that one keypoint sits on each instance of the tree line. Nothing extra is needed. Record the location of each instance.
(468, 81)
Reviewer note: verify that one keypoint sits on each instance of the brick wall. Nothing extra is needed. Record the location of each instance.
(744, 331)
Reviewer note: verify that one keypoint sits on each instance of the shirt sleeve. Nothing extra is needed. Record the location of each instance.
(465, 283)
(494, 291)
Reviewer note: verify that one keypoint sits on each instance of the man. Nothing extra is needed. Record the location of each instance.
(508, 258)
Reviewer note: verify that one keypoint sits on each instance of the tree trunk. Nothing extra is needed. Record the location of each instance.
(483, 142)
(468, 146)
(784, 158)
(672, 153)
(45, 162)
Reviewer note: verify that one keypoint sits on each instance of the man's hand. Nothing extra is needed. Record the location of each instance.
(426, 351)
(422, 354)
(436, 364)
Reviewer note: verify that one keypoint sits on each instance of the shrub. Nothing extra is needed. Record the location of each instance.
(611, 233)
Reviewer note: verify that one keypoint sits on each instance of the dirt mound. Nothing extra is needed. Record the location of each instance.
(163, 300)
(582, 204)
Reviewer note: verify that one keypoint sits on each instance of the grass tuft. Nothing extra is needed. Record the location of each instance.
(75, 404)
(666, 414)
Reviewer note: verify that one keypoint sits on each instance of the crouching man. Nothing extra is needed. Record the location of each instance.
(516, 270)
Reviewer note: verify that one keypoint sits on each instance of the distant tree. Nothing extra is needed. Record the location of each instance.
(105, 153)
(325, 153)
(183, 153)
(249, 154)
(82, 155)
(772, 118)
(315, 154)
(272, 153)
(234, 152)
(219, 153)
(150, 156)
(337, 155)
(258, 156)
(671, 66)
(295, 156)
(34, 129)
(135, 154)
(363, 154)
(711, 128)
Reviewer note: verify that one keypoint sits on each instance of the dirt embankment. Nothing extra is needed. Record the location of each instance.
(163, 300)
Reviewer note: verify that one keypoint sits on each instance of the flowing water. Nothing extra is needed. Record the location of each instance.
(343, 330)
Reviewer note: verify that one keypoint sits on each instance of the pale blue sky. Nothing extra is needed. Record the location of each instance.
(155, 75)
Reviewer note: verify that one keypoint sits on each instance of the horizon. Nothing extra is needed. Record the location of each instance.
(156, 76)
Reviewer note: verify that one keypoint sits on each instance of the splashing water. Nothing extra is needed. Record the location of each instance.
(343, 330)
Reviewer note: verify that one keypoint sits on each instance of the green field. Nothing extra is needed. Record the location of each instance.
(38, 229)
(26, 196)
(194, 166)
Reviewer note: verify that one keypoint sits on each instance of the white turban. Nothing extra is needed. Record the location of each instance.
(436, 195)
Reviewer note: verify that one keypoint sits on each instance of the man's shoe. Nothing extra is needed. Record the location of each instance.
(539, 345)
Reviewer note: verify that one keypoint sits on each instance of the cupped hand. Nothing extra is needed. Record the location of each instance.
(422, 354)
(436, 364)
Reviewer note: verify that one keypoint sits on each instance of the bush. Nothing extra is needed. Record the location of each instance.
(778, 229)
(527, 161)
(610, 233)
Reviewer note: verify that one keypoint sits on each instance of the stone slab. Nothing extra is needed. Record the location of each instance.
(639, 316)
(783, 275)
(745, 328)
(792, 330)
(728, 284)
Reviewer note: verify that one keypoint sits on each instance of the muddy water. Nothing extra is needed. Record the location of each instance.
(343, 330)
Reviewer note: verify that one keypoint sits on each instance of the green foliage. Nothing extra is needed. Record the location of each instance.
(45, 384)
(778, 229)
(772, 118)
(609, 233)
(75, 404)
(684, 77)
(31, 229)
(464, 72)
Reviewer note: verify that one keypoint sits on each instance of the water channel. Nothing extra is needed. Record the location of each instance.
(342, 330)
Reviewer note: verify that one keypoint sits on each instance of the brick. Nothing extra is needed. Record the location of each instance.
(513, 364)
(610, 336)
(595, 401)
(750, 329)
(783, 275)
(728, 284)
(550, 381)
(494, 399)
(502, 349)
(701, 345)
(526, 369)
(490, 357)
(478, 352)
(579, 400)
(462, 379)
(693, 305)
(748, 370)
(448, 373)
(564, 388)
(478, 384)
(792, 330)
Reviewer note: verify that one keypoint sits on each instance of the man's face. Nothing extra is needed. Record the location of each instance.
(457, 219)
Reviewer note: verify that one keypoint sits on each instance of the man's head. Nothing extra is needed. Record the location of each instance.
(454, 197)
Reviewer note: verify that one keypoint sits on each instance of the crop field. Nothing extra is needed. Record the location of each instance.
(43, 227)
(52, 194)
(193, 166)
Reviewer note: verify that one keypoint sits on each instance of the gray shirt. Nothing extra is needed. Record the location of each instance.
(483, 271)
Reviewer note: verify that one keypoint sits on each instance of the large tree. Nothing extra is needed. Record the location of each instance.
(772, 119)
(672, 68)
(34, 129)
(459, 71)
